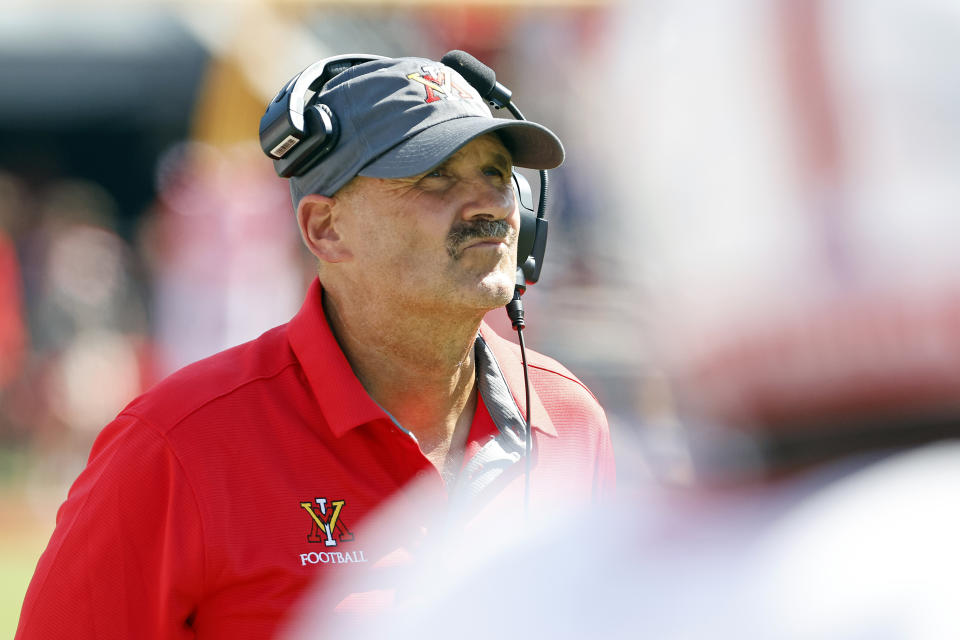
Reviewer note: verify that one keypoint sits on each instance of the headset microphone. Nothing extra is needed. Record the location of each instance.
(532, 238)
(481, 77)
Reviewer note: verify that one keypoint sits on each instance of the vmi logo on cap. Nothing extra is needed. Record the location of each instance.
(440, 84)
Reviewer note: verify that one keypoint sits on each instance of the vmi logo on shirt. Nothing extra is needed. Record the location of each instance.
(326, 525)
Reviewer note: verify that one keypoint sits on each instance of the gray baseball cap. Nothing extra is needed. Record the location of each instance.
(402, 116)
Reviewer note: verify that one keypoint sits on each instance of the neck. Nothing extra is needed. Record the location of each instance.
(420, 369)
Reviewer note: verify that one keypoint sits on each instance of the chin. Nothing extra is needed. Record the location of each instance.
(482, 290)
(497, 290)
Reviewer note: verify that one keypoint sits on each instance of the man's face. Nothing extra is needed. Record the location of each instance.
(447, 237)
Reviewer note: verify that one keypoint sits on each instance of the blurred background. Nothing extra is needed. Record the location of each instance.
(751, 258)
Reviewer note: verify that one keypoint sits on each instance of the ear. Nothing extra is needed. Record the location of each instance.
(318, 219)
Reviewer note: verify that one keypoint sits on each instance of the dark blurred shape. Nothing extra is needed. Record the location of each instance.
(65, 67)
(95, 93)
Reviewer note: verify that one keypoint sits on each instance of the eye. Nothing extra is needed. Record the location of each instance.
(495, 171)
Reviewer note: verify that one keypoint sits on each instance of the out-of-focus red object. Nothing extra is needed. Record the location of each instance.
(12, 330)
(866, 358)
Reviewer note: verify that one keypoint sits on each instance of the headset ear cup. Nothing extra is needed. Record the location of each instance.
(321, 133)
(531, 268)
(528, 218)
(294, 135)
(532, 238)
(527, 235)
(321, 125)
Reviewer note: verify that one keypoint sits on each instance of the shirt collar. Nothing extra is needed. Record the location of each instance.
(343, 400)
(507, 357)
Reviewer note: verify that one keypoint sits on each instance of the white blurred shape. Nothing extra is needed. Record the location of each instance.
(97, 374)
(873, 553)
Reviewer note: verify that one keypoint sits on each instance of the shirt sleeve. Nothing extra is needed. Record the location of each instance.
(126, 556)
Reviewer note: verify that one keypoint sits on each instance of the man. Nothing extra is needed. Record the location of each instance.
(212, 501)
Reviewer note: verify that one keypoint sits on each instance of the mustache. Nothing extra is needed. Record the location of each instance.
(463, 232)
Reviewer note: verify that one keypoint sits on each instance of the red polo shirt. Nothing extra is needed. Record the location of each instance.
(212, 501)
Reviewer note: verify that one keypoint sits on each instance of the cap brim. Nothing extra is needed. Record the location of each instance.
(531, 145)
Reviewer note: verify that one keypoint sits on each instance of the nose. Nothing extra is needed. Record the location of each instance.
(488, 198)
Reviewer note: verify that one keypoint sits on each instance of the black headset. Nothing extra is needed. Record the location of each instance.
(297, 132)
